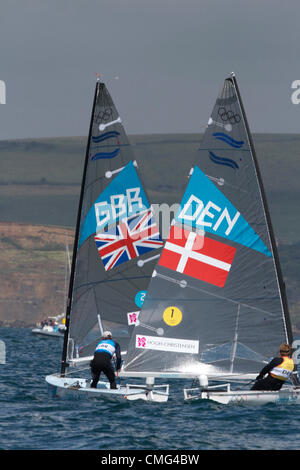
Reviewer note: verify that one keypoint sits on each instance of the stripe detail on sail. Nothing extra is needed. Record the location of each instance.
(106, 136)
(228, 140)
(106, 155)
(223, 161)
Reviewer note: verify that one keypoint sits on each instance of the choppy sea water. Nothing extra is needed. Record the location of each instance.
(31, 420)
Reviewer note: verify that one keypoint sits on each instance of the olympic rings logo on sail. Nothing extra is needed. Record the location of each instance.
(233, 118)
(105, 115)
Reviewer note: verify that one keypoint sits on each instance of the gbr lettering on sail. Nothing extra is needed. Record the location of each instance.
(209, 215)
(118, 205)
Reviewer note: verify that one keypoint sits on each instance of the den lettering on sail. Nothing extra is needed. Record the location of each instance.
(209, 215)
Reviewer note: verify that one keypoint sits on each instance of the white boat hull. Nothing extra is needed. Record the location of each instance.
(80, 388)
(289, 395)
(47, 332)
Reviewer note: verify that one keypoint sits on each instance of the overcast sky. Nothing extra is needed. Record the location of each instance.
(170, 57)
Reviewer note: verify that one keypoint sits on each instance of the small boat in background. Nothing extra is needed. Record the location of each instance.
(52, 326)
(55, 325)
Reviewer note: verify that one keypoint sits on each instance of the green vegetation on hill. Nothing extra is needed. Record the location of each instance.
(59, 161)
(40, 179)
(40, 183)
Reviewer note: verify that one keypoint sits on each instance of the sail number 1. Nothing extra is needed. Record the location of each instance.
(172, 316)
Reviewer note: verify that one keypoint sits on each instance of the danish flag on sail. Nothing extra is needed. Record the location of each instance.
(197, 256)
(133, 237)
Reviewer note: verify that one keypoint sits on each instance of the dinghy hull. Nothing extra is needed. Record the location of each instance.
(80, 388)
(253, 398)
(72, 387)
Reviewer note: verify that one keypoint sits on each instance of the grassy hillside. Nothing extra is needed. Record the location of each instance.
(40, 179)
(40, 183)
(34, 277)
(59, 161)
(33, 273)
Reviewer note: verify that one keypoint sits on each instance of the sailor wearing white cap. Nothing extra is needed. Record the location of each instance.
(101, 362)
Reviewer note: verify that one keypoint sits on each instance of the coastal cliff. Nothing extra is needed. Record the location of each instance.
(34, 272)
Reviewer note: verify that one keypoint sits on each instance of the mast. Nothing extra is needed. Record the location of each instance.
(268, 218)
(75, 247)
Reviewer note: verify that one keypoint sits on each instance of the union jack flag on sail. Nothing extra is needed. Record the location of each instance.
(131, 238)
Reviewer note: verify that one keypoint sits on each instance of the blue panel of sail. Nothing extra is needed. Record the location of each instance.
(124, 196)
(205, 207)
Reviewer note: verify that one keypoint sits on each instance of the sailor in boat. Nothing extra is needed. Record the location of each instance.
(279, 370)
(102, 361)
